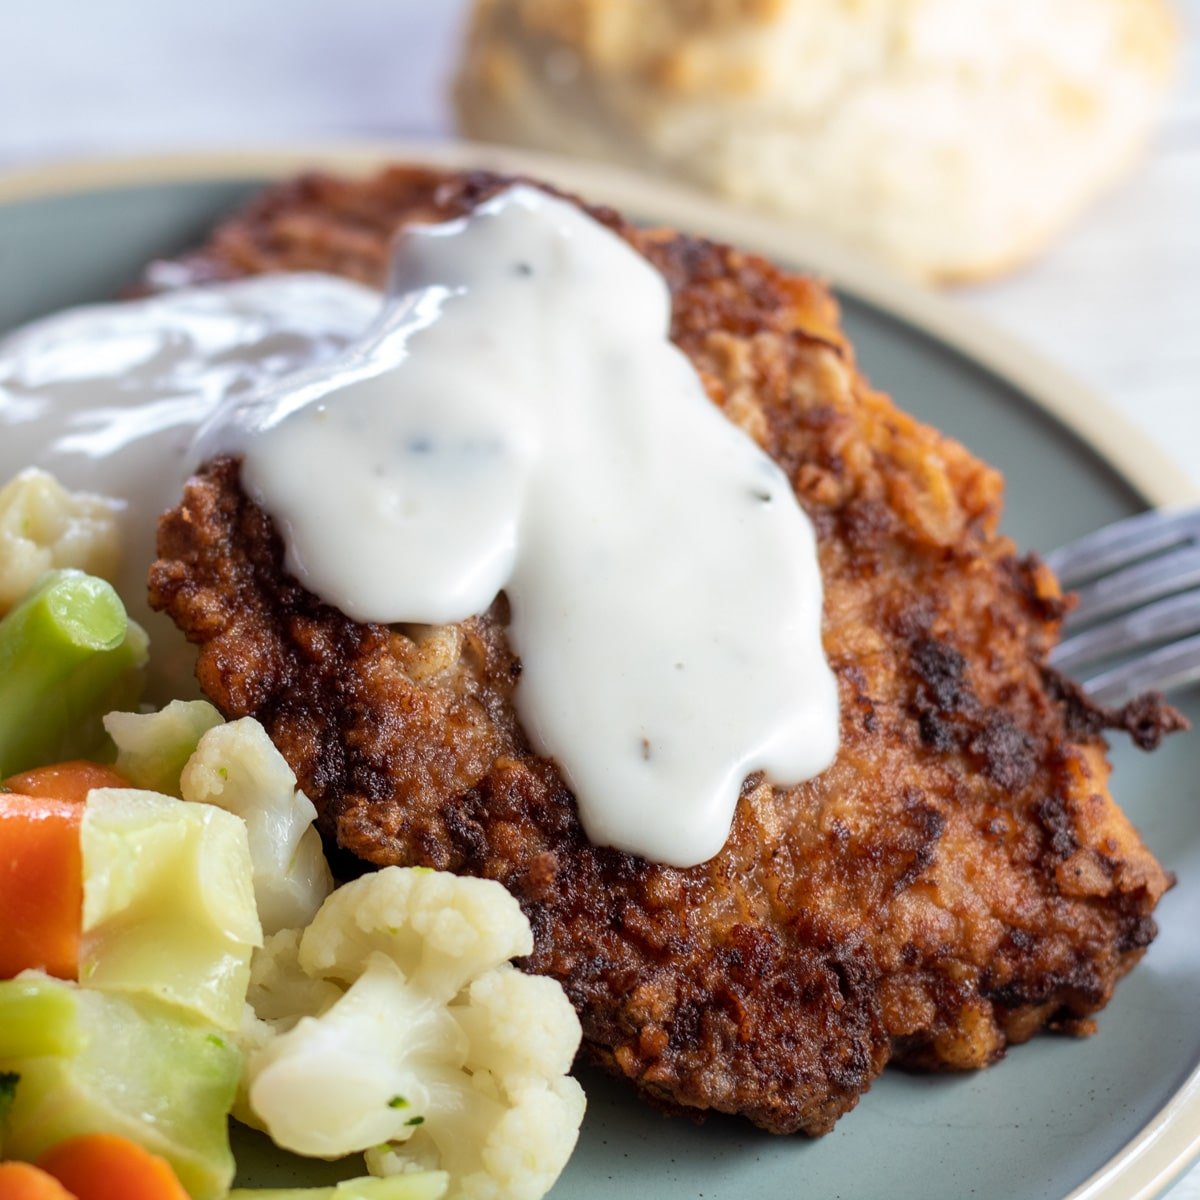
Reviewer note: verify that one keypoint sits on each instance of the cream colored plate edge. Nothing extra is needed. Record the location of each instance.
(1159, 1154)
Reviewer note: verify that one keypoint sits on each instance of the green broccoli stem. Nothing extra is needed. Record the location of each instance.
(68, 654)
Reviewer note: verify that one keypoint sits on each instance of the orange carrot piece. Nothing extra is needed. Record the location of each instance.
(41, 871)
(66, 781)
(20, 1181)
(103, 1166)
(41, 885)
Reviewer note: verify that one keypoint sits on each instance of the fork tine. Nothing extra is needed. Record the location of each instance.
(1175, 617)
(1171, 667)
(1118, 545)
(1138, 584)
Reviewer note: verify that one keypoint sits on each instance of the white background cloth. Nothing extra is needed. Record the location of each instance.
(1117, 302)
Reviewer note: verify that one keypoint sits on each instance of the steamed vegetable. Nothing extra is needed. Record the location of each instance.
(104, 1166)
(91, 1062)
(68, 654)
(422, 1185)
(43, 526)
(153, 748)
(65, 781)
(36, 1020)
(20, 1181)
(236, 767)
(41, 871)
(168, 903)
(186, 750)
(435, 1051)
(280, 992)
(41, 885)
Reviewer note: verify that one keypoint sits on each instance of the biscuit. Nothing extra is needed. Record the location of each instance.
(954, 138)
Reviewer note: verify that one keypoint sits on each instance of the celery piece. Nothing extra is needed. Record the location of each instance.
(138, 1070)
(153, 748)
(423, 1185)
(168, 903)
(68, 654)
(34, 1020)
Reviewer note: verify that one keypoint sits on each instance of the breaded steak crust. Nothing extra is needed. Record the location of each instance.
(958, 879)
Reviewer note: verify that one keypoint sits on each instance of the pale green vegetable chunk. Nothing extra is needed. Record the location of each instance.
(153, 748)
(187, 750)
(36, 1020)
(168, 903)
(236, 767)
(425, 1185)
(128, 1066)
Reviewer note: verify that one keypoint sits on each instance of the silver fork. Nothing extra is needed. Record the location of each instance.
(1138, 583)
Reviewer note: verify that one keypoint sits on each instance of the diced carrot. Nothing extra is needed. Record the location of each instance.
(41, 885)
(66, 781)
(20, 1181)
(41, 871)
(103, 1166)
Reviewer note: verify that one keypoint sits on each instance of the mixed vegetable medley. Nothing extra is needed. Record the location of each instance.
(174, 949)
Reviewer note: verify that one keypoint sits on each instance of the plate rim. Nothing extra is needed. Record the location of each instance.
(1155, 1158)
(1149, 470)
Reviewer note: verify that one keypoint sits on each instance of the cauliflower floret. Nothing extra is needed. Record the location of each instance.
(522, 1154)
(153, 748)
(278, 996)
(280, 993)
(186, 750)
(437, 1052)
(355, 1076)
(235, 767)
(43, 526)
(517, 1023)
(443, 930)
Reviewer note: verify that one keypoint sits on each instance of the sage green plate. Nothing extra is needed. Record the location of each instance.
(1117, 1115)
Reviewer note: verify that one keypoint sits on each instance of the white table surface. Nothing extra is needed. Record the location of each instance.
(1117, 302)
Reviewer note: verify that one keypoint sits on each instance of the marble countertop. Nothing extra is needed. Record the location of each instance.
(1117, 301)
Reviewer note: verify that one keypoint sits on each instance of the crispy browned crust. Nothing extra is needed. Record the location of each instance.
(957, 880)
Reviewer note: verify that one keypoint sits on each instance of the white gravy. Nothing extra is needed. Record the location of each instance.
(517, 419)
(107, 398)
